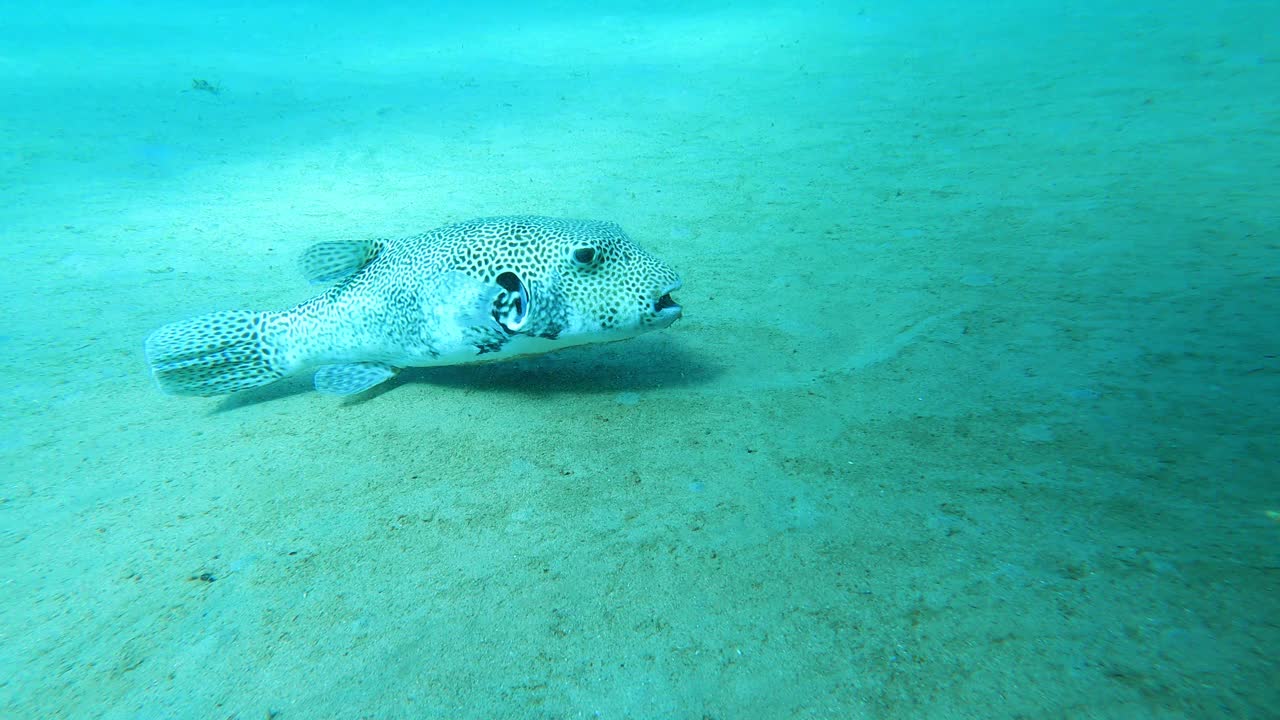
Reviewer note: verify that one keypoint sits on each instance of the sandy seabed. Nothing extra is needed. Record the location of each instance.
(972, 413)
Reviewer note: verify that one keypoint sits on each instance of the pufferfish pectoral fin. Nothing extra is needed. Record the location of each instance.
(471, 301)
(328, 262)
(352, 378)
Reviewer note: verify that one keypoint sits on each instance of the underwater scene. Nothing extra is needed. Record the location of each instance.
(622, 360)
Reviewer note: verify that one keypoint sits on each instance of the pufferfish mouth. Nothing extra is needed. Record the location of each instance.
(665, 307)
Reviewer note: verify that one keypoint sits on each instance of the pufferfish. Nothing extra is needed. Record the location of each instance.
(486, 289)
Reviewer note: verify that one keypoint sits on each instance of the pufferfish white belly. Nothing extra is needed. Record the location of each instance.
(481, 290)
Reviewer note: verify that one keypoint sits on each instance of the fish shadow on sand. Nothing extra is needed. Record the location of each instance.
(634, 366)
(630, 366)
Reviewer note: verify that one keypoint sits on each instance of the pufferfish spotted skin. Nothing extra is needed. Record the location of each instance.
(486, 289)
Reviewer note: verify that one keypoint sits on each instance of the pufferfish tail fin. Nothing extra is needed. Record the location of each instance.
(216, 354)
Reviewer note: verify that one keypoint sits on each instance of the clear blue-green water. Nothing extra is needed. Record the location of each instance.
(972, 412)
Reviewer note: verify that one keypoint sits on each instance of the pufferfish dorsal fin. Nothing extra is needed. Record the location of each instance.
(328, 262)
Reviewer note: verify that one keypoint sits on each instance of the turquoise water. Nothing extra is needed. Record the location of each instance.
(972, 411)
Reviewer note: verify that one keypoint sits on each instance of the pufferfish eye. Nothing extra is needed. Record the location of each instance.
(584, 255)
